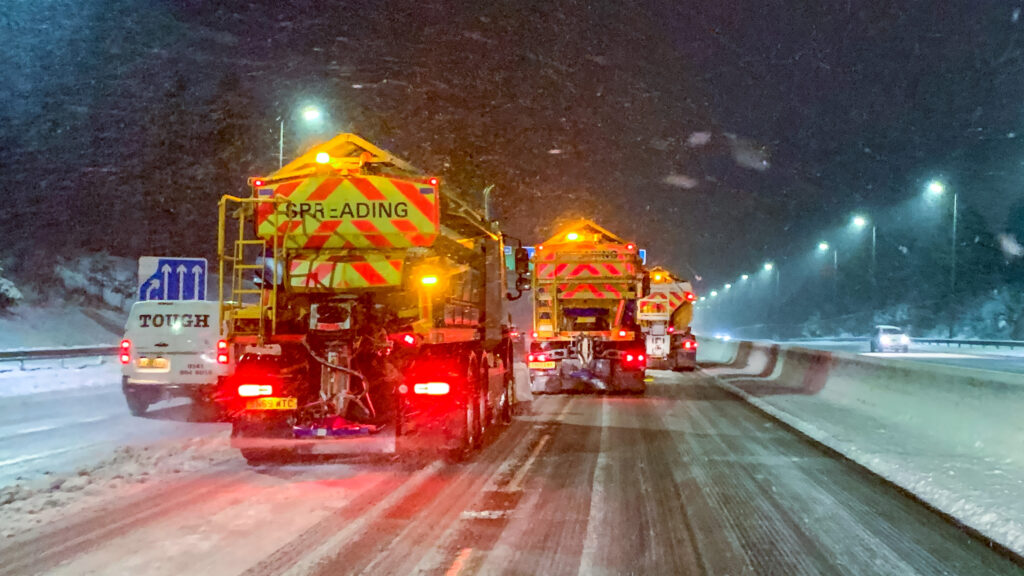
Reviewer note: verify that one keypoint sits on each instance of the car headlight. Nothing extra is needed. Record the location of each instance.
(904, 339)
(886, 340)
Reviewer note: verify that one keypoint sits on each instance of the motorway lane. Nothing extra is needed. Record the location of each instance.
(686, 480)
(62, 430)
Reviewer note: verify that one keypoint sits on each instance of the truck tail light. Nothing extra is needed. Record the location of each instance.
(689, 345)
(432, 388)
(222, 352)
(622, 333)
(690, 296)
(537, 358)
(251, 390)
(126, 351)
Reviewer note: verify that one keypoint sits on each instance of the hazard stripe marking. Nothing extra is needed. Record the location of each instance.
(369, 273)
(322, 234)
(368, 190)
(420, 201)
(324, 189)
(372, 233)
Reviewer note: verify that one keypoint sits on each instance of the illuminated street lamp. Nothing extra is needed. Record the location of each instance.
(714, 293)
(311, 114)
(937, 188)
(822, 246)
(769, 267)
(728, 286)
(745, 277)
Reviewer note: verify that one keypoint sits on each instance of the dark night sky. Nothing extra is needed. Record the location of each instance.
(814, 110)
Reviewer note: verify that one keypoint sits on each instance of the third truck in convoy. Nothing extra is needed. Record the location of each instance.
(586, 282)
(665, 314)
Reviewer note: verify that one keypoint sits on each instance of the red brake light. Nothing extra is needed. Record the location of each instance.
(222, 352)
(126, 344)
(409, 339)
(690, 296)
(432, 388)
(250, 390)
(126, 351)
(126, 358)
(629, 357)
(542, 358)
(640, 358)
(630, 246)
(622, 333)
(671, 329)
(434, 181)
(534, 334)
(257, 183)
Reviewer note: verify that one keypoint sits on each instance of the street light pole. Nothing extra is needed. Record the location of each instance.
(952, 271)
(874, 258)
(280, 146)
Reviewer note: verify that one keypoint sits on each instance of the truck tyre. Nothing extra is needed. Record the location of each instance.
(468, 425)
(137, 402)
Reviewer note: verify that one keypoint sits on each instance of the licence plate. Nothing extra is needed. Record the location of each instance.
(542, 365)
(271, 403)
(158, 363)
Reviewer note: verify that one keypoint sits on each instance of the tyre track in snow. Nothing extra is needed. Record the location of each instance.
(687, 479)
(40, 554)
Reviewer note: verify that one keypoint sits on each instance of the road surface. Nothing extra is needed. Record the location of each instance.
(60, 430)
(685, 480)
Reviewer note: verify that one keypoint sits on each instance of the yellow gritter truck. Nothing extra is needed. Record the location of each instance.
(363, 309)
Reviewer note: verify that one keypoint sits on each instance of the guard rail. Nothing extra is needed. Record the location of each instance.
(957, 342)
(25, 354)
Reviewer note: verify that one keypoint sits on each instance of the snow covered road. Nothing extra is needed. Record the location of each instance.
(995, 359)
(688, 479)
(63, 429)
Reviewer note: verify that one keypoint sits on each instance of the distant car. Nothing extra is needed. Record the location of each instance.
(889, 339)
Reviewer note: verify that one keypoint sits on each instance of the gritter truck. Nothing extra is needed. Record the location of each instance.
(585, 283)
(665, 315)
(363, 311)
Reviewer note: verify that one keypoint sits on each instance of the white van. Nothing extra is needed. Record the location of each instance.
(172, 349)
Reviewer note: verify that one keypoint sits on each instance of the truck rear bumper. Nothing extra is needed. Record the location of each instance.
(161, 391)
(384, 442)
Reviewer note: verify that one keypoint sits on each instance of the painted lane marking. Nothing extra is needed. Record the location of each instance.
(516, 484)
(459, 563)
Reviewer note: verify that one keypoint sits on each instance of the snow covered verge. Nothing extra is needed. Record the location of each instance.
(52, 375)
(52, 498)
(951, 436)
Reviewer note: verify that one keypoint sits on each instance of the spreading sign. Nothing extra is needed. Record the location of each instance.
(172, 278)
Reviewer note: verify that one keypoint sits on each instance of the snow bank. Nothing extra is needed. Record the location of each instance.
(58, 326)
(950, 435)
(51, 498)
(49, 376)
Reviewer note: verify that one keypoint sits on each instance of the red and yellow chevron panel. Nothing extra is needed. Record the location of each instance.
(583, 271)
(592, 291)
(327, 211)
(336, 273)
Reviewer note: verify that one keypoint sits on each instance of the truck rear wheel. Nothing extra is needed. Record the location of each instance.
(469, 425)
(137, 402)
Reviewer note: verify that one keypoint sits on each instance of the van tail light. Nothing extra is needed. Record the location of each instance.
(222, 352)
(432, 388)
(251, 390)
(689, 345)
(126, 351)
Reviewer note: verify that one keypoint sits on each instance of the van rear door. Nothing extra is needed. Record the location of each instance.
(173, 342)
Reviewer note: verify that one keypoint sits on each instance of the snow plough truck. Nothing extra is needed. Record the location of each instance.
(586, 282)
(365, 309)
(665, 315)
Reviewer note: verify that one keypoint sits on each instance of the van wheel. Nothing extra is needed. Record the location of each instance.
(137, 402)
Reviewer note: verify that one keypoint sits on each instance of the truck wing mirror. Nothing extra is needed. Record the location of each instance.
(522, 261)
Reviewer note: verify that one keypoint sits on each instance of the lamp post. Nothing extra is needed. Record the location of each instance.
(310, 114)
(860, 222)
(824, 247)
(937, 188)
